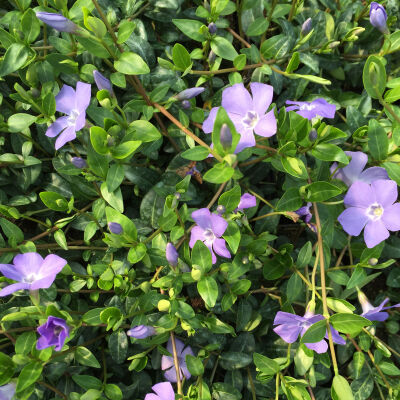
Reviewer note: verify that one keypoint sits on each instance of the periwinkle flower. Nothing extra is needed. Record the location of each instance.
(102, 82)
(378, 17)
(57, 21)
(371, 207)
(353, 171)
(74, 104)
(189, 93)
(78, 162)
(318, 107)
(290, 326)
(246, 201)
(52, 333)
(167, 362)
(306, 27)
(163, 390)
(7, 392)
(248, 113)
(304, 213)
(171, 254)
(115, 228)
(209, 229)
(374, 313)
(141, 331)
(31, 271)
(212, 28)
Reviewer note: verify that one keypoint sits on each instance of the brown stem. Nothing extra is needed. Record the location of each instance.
(176, 363)
(52, 388)
(238, 37)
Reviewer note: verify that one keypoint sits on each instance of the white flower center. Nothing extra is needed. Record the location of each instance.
(73, 117)
(30, 278)
(250, 119)
(307, 107)
(374, 212)
(209, 235)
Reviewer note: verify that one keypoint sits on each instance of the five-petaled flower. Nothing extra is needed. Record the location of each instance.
(31, 271)
(141, 331)
(353, 171)
(290, 326)
(52, 333)
(317, 108)
(167, 362)
(374, 313)
(209, 229)
(371, 206)
(378, 17)
(74, 104)
(57, 21)
(248, 113)
(163, 390)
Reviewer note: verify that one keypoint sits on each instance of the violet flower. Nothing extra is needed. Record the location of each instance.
(374, 313)
(248, 113)
(167, 362)
(353, 171)
(31, 272)
(102, 82)
(74, 104)
(141, 331)
(163, 390)
(371, 206)
(189, 93)
(57, 21)
(319, 107)
(209, 229)
(115, 228)
(79, 162)
(290, 326)
(247, 201)
(52, 333)
(378, 17)
(7, 392)
(306, 27)
(171, 254)
(304, 213)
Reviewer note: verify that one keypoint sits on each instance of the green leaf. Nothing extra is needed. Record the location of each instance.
(49, 104)
(293, 63)
(194, 364)
(54, 201)
(137, 253)
(341, 388)
(374, 77)
(362, 388)
(339, 305)
(145, 131)
(125, 30)
(231, 360)
(393, 170)
(18, 122)
(29, 375)
(290, 201)
(208, 290)
(85, 357)
(125, 149)
(349, 323)
(15, 57)
(392, 95)
(295, 167)
(87, 382)
(329, 152)
(92, 317)
(232, 236)
(230, 199)
(114, 199)
(240, 61)
(30, 25)
(223, 48)
(220, 173)
(181, 57)
(25, 343)
(60, 238)
(129, 228)
(113, 392)
(6, 369)
(257, 27)
(378, 141)
(98, 138)
(265, 365)
(118, 345)
(196, 153)
(11, 230)
(311, 78)
(321, 191)
(131, 64)
(315, 332)
(201, 256)
(115, 176)
(93, 46)
(190, 27)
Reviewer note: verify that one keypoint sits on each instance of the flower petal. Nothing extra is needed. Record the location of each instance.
(282, 317)
(319, 347)
(323, 108)
(353, 220)
(202, 218)
(52, 265)
(57, 126)
(375, 232)
(289, 333)
(167, 362)
(373, 174)
(80, 121)
(65, 99)
(247, 201)
(336, 337)
(164, 391)
(43, 283)
(66, 136)
(10, 272)
(83, 95)
(385, 191)
(151, 396)
(28, 263)
(236, 99)
(208, 123)
(360, 195)
(218, 225)
(391, 217)
(195, 234)
(13, 288)
(354, 168)
(219, 246)
(262, 96)
(266, 125)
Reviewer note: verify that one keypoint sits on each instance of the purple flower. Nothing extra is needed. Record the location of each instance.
(378, 17)
(189, 93)
(374, 313)
(209, 229)
(167, 362)
(102, 82)
(306, 27)
(164, 391)
(7, 392)
(31, 271)
(371, 206)
(74, 104)
(79, 162)
(115, 228)
(57, 21)
(141, 331)
(171, 254)
(52, 333)
(290, 326)
(353, 171)
(318, 107)
(304, 213)
(246, 112)
(212, 28)
(247, 201)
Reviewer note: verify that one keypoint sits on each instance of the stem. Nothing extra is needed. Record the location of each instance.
(292, 10)
(253, 389)
(387, 106)
(52, 388)
(277, 386)
(176, 363)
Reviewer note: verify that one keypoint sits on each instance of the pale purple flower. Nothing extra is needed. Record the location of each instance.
(374, 313)
(171, 254)
(306, 27)
(74, 104)
(318, 107)
(7, 392)
(79, 162)
(141, 331)
(353, 171)
(247, 201)
(115, 228)
(371, 206)
(290, 326)
(209, 229)
(304, 213)
(167, 362)
(163, 390)
(52, 333)
(378, 17)
(248, 113)
(189, 93)
(102, 82)
(31, 272)
(57, 21)
(212, 28)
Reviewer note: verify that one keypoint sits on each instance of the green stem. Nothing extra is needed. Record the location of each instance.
(387, 106)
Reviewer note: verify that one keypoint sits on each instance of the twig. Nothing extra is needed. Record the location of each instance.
(176, 363)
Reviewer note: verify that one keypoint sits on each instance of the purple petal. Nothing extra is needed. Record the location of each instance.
(319, 347)
(360, 195)
(375, 232)
(247, 201)
(52, 265)
(43, 283)
(373, 174)
(196, 234)
(151, 396)
(171, 254)
(289, 333)
(57, 21)
(246, 140)
(178, 344)
(219, 246)
(28, 263)
(65, 100)
(385, 191)
(57, 126)
(208, 123)
(202, 218)
(373, 315)
(10, 272)
(353, 220)
(164, 391)
(188, 350)
(353, 170)
(262, 97)
(391, 217)
(282, 317)
(13, 288)
(266, 125)
(66, 136)
(218, 225)
(236, 99)
(80, 121)
(184, 371)
(167, 362)
(83, 95)
(102, 82)
(323, 108)
(336, 337)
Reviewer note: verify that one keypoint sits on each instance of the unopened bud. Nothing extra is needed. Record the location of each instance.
(163, 305)
(378, 17)
(306, 27)
(212, 28)
(35, 93)
(102, 82)
(78, 162)
(57, 21)
(221, 209)
(189, 93)
(171, 254)
(373, 261)
(186, 104)
(245, 260)
(333, 44)
(313, 135)
(115, 228)
(225, 137)
(211, 57)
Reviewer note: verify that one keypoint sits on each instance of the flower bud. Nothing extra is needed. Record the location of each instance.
(141, 331)
(221, 209)
(115, 228)
(245, 260)
(171, 254)
(373, 261)
(306, 27)
(57, 21)
(186, 104)
(313, 135)
(225, 137)
(211, 57)
(163, 305)
(102, 82)
(189, 93)
(378, 17)
(78, 162)
(212, 28)
(334, 44)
